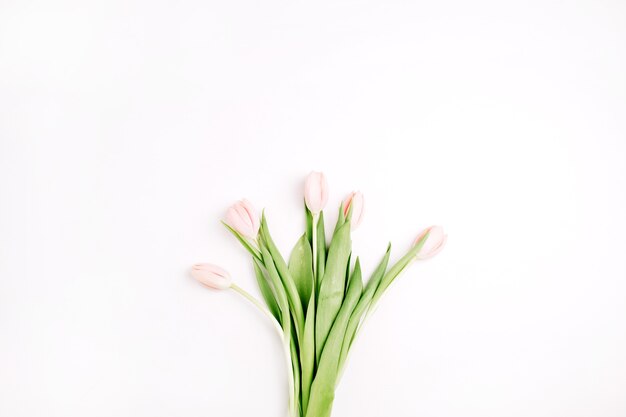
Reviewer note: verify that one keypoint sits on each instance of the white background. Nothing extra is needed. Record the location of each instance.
(128, 127)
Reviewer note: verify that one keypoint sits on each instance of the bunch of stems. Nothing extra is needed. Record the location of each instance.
(317, 302)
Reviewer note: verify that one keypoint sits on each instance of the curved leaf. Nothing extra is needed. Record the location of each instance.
(266, 290)
(283, 271)
(363, 304)
(323, 388)
(245, 243)
(332, 286)
(301, 269)
(307, 352)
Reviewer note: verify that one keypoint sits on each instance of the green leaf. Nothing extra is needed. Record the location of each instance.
(307, 351)
(301, 269)
(266, 290)
(332, 286)
(341, 219)
(281, 296)
(245, 242)
(296, 374)
(283, 304)
(363, 304)
(323, 388)
(309, 223)
(288, 282)
(395, 270)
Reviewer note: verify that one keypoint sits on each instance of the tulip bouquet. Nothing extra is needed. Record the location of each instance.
(317, 299)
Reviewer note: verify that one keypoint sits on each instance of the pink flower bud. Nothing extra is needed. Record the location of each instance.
(242, 217)
(435, 241)
(316, 192)
(212, 276)
(356, 201)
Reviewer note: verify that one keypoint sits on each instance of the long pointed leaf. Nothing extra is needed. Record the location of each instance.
(362, 305)
(307, 352)
(396, 269)
(246, 244)
(309, 223)
(323, 389)
(332, 287)
(281, 296)
(283, 271)
(266, 290)
(341, 219)
(300, 267)
(296, 374)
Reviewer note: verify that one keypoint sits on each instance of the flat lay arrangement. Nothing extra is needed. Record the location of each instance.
(316, 298)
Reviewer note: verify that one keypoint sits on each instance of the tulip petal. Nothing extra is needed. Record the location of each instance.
(354, 204)
(251, 215)
(316, 192)
(211, 275)
(433, 244)
(242, 217)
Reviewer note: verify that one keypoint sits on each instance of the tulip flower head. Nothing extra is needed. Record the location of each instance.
(316, 192)
(212, 276)
(356, 202)
(434, 243)
(242, 217)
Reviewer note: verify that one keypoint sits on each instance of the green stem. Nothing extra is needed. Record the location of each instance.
(258, 305)
(284, 338)
(314, 239)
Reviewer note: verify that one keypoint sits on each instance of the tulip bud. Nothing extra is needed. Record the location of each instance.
(242, 217)
(316, 192)
(212, 276)
(435, 241)
(354, 200)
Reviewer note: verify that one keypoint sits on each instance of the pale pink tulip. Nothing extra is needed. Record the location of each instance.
(435, 242)
(316, 192)
(242, 217)
(356, 201)
(212, 276)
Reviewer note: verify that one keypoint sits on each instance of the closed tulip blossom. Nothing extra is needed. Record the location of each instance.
(212, 276)
(242, 217)
(434, 243)
(316, 192)
(356, 202)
